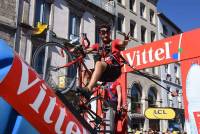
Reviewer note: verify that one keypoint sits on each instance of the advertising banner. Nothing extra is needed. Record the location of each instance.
(183, 48)
(173, 49)
(190, 81)
(22, 88)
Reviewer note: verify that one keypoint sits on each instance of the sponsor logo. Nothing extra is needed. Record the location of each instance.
(31, 97)
(160, 113)
(146, 56)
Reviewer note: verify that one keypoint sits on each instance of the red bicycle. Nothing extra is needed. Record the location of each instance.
(57, 63)
(61, 64)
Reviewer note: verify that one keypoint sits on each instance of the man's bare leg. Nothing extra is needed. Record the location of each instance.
(100, 67)
(85, 78)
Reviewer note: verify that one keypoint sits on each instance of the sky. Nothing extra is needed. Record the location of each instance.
(184, 13)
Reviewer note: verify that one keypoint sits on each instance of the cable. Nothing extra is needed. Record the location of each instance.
(144, 75)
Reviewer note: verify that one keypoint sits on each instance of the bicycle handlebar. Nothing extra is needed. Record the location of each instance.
(79, 48)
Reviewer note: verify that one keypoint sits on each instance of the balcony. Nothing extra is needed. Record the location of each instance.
(105, 5)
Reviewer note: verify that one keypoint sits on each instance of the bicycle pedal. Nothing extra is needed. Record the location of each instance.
(84, 91)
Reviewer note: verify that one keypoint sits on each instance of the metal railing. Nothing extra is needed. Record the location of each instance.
(105, 5)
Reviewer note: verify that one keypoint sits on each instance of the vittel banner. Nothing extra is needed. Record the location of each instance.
(22, 88)
(190, 81)
(185, 49)
(173, 49)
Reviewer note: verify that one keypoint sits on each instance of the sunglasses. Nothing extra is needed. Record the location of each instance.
(103, 32)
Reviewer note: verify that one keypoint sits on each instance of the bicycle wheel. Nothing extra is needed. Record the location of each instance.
(98, 119)
(46, 61)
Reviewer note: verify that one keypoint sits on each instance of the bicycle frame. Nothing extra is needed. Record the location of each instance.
(81, 65)
(77, 60)
(98, 116)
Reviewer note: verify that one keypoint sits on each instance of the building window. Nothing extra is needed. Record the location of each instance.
(122, 2)
(119, 1)
(175, 69)
(41, 14)
(143, 34)
(74, 26)
(152, 97)
(180, 100)
(97, 38)
(42, 11)
(133, 29)
(176, 72)
(155, 70)
(120, 23)
(168, 72)
(153, 36)
(177, 80)
(142, 10)
(169, 97)
(132, 5)
(136, 105)
(167, 68)
(165, 30)
(152, 16)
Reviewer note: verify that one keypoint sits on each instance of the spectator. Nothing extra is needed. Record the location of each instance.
(113, 97)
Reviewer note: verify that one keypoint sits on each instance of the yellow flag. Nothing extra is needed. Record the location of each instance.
(40, 28)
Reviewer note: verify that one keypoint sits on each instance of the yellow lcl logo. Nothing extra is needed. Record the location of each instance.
(160, 113)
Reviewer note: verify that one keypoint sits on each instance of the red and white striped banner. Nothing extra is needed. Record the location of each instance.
(30, 96)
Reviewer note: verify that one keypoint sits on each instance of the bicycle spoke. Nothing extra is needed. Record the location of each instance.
(47, 61)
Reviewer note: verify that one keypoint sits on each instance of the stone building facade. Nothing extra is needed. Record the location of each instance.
(8, 20)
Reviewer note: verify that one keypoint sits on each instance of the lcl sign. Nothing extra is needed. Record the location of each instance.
(160, 113)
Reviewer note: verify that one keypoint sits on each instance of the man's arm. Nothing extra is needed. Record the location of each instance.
(120, 44)
(92, 48)
(119, 97)
(126, 39)
(123, 43)
(89, 50)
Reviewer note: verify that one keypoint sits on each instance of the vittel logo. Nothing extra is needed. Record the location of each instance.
(146, 56)
(46, 105)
